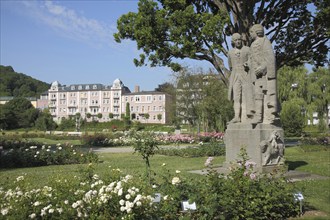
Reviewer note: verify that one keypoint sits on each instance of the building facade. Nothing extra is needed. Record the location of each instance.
(104, 102)
(147, 107)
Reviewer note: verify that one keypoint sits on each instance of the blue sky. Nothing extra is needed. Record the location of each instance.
(72, 42)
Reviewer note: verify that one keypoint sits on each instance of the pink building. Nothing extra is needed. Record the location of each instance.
(104, 102)
(147, 107)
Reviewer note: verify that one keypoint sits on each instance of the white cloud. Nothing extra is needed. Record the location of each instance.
(68, 23)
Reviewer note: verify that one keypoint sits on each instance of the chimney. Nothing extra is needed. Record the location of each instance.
(137, 89)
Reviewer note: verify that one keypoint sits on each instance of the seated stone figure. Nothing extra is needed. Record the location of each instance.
(272, 150)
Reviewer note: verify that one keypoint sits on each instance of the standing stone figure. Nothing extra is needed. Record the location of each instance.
(240, 85)
(263, 73)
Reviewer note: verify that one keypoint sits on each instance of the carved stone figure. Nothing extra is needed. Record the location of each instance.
(272, 150)
(240, 85)
(263, 72)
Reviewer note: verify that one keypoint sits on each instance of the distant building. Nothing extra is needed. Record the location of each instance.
(5, 99)
(316, 119)
(42, 103)
(104, 102)
(147, 107)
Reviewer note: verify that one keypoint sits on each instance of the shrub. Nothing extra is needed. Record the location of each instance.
(41, 156)
(321, 140)
(245, 194)
(292, 118)
(97, 139)
(209, 149)
(81, 198)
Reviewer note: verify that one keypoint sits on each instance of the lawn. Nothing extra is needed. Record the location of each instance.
(316, 192)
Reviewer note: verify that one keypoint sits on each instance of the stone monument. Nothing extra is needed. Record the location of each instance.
(256, 125)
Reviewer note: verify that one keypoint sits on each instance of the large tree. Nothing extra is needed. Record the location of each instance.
(310, 91)
(168, 30)
(201, 99)
(18, 113)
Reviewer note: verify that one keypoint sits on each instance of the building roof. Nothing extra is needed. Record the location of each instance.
(117, 84)
(146, 93)
(8, 98)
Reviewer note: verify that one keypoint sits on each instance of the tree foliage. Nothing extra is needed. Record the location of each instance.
(215, 109)
(319, 92)
(309, 91)
(169, 88)
(19, 85)
(202, 100)
(45, 121)
(18, 113)
(168, 30)
(292, 118)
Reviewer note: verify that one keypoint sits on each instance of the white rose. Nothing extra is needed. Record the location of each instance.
(176, 180)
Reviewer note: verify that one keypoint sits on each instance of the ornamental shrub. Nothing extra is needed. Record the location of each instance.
(292, 118)
(33, 156)
(202, 150)
(245, 194)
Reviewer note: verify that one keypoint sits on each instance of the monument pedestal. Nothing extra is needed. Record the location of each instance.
(251, 137)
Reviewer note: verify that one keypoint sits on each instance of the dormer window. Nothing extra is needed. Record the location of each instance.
(73, 87)
(80, 87)
(87, 86)
(94, 87)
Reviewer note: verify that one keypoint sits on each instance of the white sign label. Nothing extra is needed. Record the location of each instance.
(188, 206)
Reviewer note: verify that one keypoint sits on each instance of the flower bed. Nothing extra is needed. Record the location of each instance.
(45, 155)
(242, 194)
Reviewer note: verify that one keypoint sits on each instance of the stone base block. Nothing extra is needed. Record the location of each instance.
(249, 136)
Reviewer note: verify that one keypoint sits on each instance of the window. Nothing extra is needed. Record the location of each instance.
(149, 98)
(137, 98)
(94, 87)
(79, 87)
(73, 87)
(160, 98)
(87, 87)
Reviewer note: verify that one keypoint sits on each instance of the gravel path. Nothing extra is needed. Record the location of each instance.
(113, 149)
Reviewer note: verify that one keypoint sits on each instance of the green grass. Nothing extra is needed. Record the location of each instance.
(316, 192)
(129, 163)
(316, 162)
